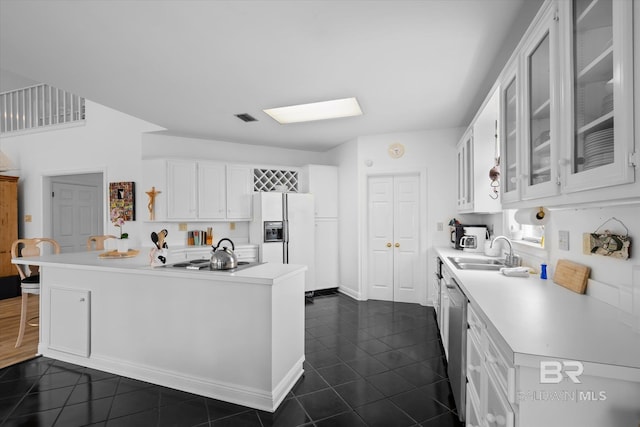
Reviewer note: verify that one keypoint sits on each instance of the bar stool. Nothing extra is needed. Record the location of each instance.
(98, 241)
(29, 274)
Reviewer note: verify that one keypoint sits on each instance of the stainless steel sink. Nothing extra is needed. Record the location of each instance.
(476, 263)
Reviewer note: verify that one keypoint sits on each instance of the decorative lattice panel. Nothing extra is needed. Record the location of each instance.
(271, 180)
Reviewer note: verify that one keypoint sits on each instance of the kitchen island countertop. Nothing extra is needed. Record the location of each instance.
(266, 273)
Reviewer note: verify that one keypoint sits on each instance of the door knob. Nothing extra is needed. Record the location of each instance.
(397, 245)
(388, 245)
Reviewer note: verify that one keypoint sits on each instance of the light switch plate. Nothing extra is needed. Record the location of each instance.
(439, 226)
(182, 226)
(28, 218)
(563, 240)
(232, 226)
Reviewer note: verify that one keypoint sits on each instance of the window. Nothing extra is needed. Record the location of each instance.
(527, 233)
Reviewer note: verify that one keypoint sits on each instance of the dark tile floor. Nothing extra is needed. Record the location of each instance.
(368, 363)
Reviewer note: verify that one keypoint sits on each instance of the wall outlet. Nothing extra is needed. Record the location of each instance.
(439, 226)
(232, 226)
(563, 240)
(182, 226)
(28, 218)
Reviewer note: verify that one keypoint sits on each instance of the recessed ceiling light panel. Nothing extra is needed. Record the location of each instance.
(334, 109)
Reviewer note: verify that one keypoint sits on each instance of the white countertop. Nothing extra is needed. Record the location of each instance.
(540, 318)
(266, 273)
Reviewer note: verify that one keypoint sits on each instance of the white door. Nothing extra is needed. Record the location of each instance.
(394, 238)
(76, 215)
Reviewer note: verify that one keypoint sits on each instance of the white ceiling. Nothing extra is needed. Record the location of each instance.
(190, 65)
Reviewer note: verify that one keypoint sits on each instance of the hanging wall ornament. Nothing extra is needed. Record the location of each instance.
(606, 243)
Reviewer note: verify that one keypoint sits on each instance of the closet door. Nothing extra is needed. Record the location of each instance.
(380, 259)
(394, 238)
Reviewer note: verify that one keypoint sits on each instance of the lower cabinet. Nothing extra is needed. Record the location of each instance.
(70, 321)
(490, 377)
(326, 254)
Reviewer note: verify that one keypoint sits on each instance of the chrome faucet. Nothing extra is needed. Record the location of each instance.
(510, 260)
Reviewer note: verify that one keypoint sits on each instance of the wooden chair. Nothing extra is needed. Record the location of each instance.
(29, 274)
(98, 241)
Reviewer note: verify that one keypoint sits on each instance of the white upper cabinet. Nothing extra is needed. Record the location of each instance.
(239, 192)
(540, 109)
(598, 93)
(322, 182)
(199, 190)
(510, 130)
(567, 107)
(182, 180)
(465, 172)
(478, 153)
(211, 190)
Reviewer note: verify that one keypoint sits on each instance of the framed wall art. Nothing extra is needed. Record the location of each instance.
(122, 196)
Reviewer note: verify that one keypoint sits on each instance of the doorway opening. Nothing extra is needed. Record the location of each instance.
(73, 209)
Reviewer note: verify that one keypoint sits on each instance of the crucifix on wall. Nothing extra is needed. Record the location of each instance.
(152, 202)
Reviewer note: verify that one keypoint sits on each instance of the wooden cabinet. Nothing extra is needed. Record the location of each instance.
(199, 190)
(8, 222)
(69, 329)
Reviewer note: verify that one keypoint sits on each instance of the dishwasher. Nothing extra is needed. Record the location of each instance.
(457, 345)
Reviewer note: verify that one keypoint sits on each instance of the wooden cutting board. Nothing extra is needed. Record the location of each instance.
(571, 275)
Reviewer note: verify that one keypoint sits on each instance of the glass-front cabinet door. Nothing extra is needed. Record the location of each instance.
(465, 172)
(540, 168)
(509, 110)
(600, 135)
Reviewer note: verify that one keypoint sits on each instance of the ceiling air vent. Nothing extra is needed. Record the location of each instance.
(246, 117)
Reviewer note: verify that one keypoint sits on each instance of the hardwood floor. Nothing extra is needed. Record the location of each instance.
(9, 325)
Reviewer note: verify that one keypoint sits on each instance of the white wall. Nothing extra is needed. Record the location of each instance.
(157, 145)
(345, 157)
(432, 152)
(108, 143)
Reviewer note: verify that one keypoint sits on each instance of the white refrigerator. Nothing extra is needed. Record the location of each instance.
(283, 226)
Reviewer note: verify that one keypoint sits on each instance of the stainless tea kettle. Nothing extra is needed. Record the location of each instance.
(223, 259)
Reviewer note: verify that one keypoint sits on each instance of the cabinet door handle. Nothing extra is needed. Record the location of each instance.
(397, 245)
(389, 244)
(81, 299)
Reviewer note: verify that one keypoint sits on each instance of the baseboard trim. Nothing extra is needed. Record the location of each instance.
(264, 400)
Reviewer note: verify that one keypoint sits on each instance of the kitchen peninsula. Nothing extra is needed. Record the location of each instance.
(237, 337)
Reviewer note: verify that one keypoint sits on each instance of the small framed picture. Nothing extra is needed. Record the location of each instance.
(122, 196)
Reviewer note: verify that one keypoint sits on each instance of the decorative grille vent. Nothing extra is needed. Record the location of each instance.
(37, 107)
(269, 179)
